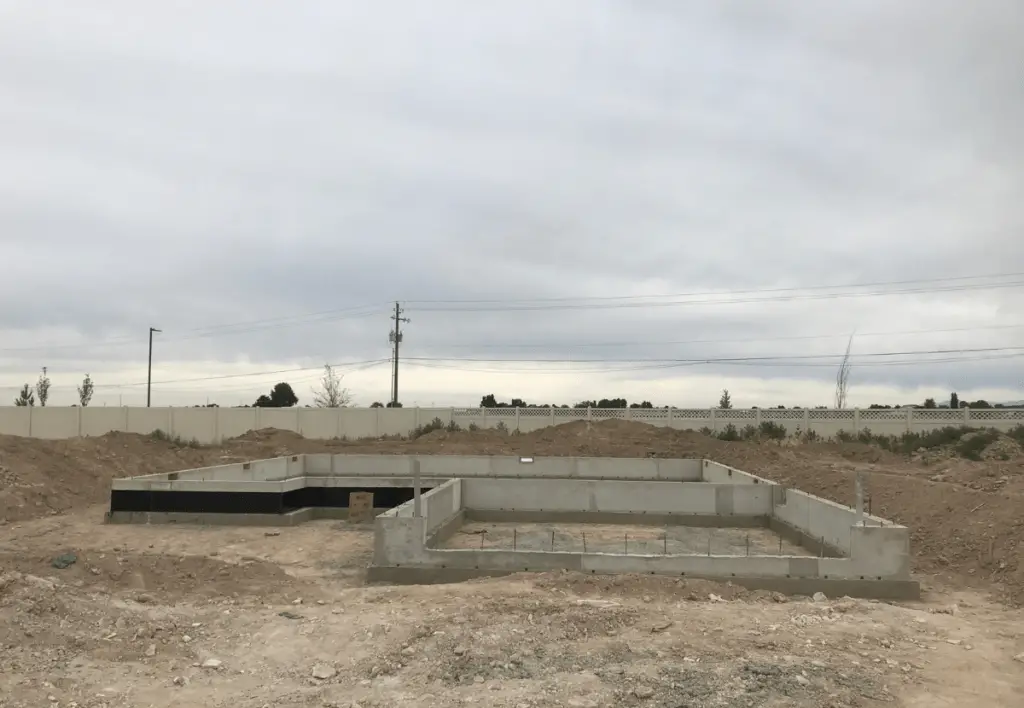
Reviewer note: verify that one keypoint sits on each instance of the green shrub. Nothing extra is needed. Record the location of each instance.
(473, 427)
(501, 427)
(749, 432)
(706, 431)
(421, 430)
(972, 447)
(770, 430)
(729, 433)
(1017, 433)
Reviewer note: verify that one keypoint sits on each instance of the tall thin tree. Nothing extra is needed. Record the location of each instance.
(43, 388)
(843, 377)
(85, 391)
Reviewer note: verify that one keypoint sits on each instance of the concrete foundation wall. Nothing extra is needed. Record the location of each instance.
(209, 425)
(463, 466)
(560, 495)
(718, 473)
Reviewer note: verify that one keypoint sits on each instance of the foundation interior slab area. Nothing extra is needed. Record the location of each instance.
(622, 538)
(446, 516)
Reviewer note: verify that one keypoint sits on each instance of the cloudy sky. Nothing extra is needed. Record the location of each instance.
(572, 200)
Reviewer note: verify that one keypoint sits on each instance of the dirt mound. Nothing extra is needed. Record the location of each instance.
(163, 578)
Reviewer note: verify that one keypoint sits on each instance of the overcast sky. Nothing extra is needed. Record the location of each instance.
(191, 165)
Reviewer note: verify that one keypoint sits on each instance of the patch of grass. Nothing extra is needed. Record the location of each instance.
(176, 441)
(435, 424)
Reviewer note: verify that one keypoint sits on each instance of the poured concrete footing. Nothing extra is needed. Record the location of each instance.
(871, 589)
(291, 518)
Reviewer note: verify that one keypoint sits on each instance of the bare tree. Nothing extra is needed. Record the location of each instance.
(85, 391)
(43, 388)
(329, 393)
(843, 377)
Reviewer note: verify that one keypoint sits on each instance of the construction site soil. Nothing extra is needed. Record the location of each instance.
(93, 614)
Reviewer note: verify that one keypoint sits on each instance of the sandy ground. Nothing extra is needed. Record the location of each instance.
(180, 616)
(188, 616)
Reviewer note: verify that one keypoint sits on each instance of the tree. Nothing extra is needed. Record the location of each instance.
(726, 400)
(489, 401)
(954, 400)
(394, 404)
(85, 391)
(843, 377)
(26, 397)
(930, 403)
(376, 404)
(281, 396)
(330, 394)
(43, 387)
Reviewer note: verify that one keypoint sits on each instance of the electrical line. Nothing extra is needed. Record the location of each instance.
(532, 304)
(217, 330)
(727, 292)
(353, 365)
(844, 336)
(572, 368)
(720, 359)
(679, 303)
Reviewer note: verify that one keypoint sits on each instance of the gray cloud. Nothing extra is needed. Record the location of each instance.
(198, 165)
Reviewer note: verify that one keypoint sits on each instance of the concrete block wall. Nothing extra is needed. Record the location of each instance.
(211, 425)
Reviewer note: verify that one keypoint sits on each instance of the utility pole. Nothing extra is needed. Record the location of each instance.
(396, 338)
(149, 371)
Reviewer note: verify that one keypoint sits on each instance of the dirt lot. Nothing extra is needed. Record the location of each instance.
(168, 616)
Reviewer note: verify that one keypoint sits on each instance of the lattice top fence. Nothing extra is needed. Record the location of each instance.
(865, 415)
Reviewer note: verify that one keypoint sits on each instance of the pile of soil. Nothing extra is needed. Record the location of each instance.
(965, 517)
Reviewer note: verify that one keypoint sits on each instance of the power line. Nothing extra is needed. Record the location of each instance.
(545, 345)
(529, 304)
(733, 292)
(738, 301)
(719, 359)
(219, 330)
(574, 368)
(349, 367)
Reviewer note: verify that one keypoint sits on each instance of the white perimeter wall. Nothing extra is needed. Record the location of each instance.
(214, 424)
